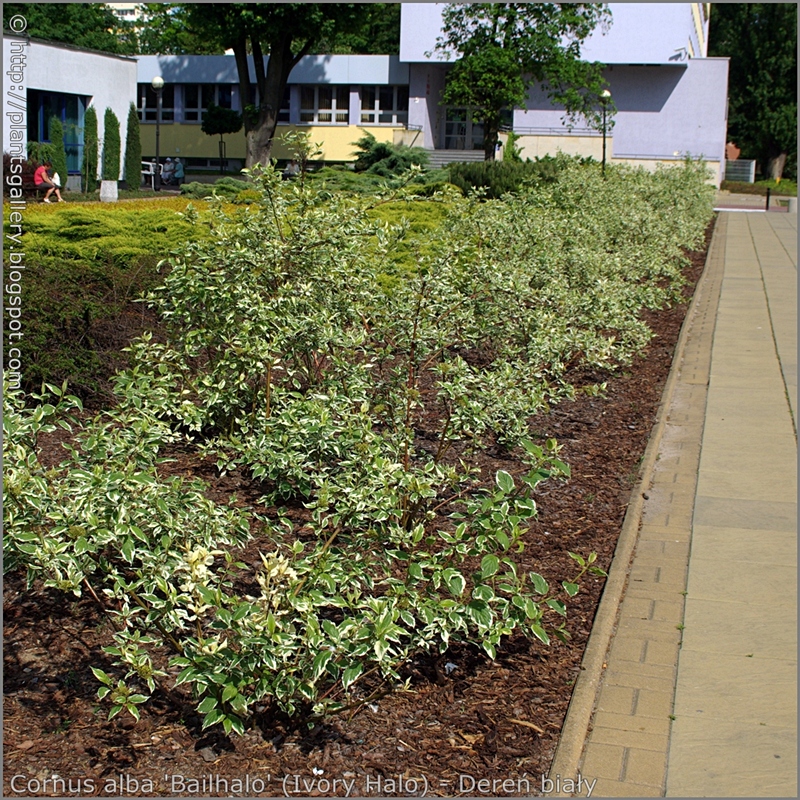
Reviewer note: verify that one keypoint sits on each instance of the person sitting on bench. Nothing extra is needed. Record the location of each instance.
(42, 180)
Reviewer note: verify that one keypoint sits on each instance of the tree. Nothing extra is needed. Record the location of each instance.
(166, 32)
(221, 121)
(283, 31)
(93, 26)
(761, 41)
(133, 151)
(111, 146)
(58, 151)
(378, 32)
(504, 48)
(89, 165)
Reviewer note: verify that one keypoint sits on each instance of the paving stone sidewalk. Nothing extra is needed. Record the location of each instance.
(698, 691)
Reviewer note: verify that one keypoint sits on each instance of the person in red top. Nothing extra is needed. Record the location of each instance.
(41, 178)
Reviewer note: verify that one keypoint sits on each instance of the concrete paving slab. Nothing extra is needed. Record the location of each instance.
(750, 514)
(741, 628)
(734, 690)
(726, 758)
(747, 482)
(761, 584)
(750, 546)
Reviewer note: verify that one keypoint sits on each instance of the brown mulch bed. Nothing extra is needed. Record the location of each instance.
(467, 726)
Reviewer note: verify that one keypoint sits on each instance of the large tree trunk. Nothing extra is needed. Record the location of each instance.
(259, 143)
(490, 139)
(260, 125)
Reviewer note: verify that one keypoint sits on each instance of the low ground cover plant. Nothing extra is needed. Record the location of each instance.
(306, 348)
(85, 264)
(497, 178)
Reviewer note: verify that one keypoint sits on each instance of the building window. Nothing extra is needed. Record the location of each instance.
(284, 113)
(70, 109)
(460, 132)
(197, 97)
(384, 105)
(326, 105)
(147, 103)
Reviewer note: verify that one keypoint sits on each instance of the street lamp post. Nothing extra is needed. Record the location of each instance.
(605, 96)
(158, 86)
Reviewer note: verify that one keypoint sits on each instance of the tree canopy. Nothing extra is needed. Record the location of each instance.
(169, 31)
(92, 26)
(504, 48)
(761, 41)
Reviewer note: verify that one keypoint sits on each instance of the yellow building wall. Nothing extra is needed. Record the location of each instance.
(189, 141)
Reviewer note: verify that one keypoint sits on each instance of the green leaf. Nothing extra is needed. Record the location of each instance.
(228, 692)
(570, 588)
(578, 558)
(490, 649)
(81, 545)
(127, 550)
(483, 592)
(558, 607)
(480, 613)
(101, 676)
(208, 704)
(351, 674)
(505, 481)
(455, 581)
(320, 661)
(562, 467)
(489, 565)
(539, 583)
(540, 633)
(415, 571)
(212, 718)
(408, 618)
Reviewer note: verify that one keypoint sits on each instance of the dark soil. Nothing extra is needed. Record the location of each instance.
(480, 729)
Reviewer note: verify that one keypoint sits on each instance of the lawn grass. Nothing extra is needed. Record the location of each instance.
(785, 188)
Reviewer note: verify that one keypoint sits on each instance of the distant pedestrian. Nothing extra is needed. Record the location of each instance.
(42, 179)
(179, 172)
(292, 170)
(168, 173)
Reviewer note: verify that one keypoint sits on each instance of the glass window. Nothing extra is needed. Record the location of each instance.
(460, 132)
(70, 109)
(384, 105)
(147, 104)
(225, 96)
(197, 97)
(326, 105)
(284, 111)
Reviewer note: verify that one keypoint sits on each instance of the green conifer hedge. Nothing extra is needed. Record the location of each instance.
(112, 146)
(89, 165)
(133, 151)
